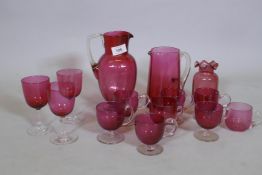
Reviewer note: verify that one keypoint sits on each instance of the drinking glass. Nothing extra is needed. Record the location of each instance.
(150, 128)
(36, 89)
(110, 116)
(208, 115)
(70, 86)
(241, 116)
(61, 106)
(210, 94)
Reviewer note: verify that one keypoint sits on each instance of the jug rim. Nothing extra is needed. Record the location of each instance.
(116, 33)
(164, 49)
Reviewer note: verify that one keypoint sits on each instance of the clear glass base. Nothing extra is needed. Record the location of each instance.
(150, 150)
(110, 137)
(63, 140)
(38, 130)
(206, 135)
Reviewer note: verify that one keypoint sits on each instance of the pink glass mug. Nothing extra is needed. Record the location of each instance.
(168, 107)
(110, 116)
(239, 116)
(210, 94)
(150, 128)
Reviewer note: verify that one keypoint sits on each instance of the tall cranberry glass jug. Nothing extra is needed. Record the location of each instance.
(116, 69)
(205, 77)
(164, 72)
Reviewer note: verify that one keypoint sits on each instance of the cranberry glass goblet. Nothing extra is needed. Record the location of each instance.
(110, 116)
(61, 106)
(70, 86)
(150, 128)
(36, 89)
(208, 115)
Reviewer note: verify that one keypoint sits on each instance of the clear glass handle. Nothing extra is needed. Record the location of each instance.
(131, 117)
(186, 71)
(224, 99)
(89, 50)
(170, 127)
(145, 101)
(257, 119)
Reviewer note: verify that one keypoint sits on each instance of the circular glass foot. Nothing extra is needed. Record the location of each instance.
(111, 137)
(38, 130)
(63, 140)
(206, 135)
(150, 150)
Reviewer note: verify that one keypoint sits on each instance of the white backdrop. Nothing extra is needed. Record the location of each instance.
(39, 37)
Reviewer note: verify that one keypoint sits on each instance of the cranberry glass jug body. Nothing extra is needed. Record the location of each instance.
(164, 72)
(205, 77)
(116, 69)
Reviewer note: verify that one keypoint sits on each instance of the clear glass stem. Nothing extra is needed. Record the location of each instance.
(74, 117)
(150, 147)
(206, 133)
(111, 134)
(62, 132)
(38, 127)
(38, 120)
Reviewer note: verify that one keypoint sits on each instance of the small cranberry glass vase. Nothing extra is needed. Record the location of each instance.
(205, 77)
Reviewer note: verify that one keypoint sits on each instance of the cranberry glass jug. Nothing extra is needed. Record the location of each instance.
(164, 72)
(205, 77)
(116, 69)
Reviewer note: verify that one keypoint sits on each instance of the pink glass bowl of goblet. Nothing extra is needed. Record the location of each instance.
(70, 82)
(36, 90)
